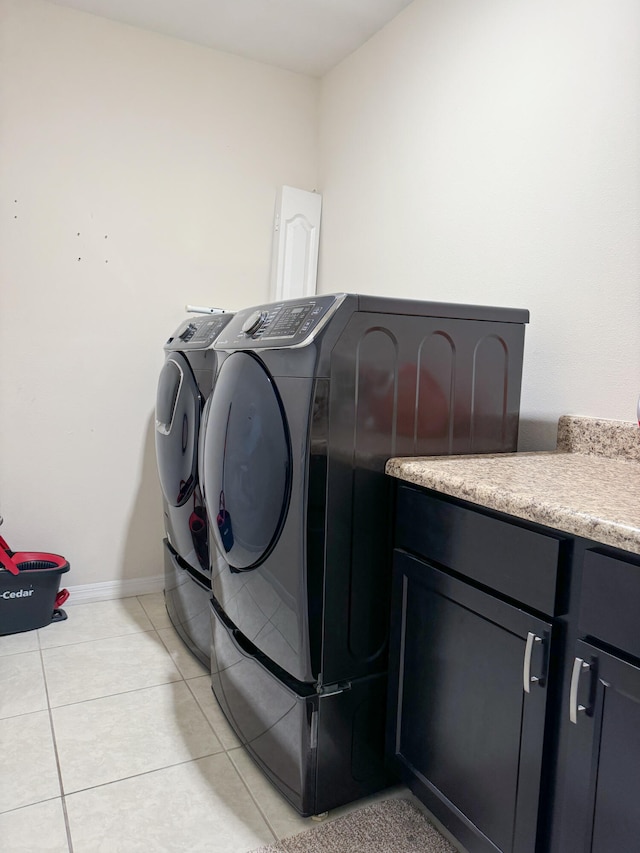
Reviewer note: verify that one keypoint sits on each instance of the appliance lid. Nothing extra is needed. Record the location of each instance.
(296, 323)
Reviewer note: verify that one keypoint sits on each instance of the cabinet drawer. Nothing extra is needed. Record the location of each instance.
(610, 601)
(508, 558)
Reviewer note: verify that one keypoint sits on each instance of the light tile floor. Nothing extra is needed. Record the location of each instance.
(111, 740)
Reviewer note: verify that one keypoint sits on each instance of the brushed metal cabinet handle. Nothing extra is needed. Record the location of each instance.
(579, 666)
(527, 678)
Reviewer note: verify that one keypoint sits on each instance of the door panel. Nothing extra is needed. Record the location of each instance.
(178, 407)
(466, 730)
(260, 581)
(604, 756)
(247, 462)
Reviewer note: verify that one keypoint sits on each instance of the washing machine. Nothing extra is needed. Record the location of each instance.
(186, 380)
(312, 397)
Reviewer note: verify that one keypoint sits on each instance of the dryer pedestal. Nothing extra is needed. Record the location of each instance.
(320, 750)
(187, 600)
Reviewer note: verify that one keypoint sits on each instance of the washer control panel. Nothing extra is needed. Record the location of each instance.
(293, 323)
(199, 332)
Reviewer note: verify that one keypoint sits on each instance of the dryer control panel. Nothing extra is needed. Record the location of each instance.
(293, 323)
(198, 332)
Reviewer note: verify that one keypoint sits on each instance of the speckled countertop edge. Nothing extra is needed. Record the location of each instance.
(599, 437)
(584, 493)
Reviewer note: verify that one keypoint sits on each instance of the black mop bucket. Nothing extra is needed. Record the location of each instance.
(29, 589)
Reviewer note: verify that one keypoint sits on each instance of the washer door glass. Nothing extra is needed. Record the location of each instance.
(178, 405)
(246, 462)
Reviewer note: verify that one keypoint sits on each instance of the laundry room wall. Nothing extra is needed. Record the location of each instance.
(487, 152)
(138, 173)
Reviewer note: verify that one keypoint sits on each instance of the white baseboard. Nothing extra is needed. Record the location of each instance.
(89, 592)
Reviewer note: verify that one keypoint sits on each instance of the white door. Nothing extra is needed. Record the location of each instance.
(296, 238)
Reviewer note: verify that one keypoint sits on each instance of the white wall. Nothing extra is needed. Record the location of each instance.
(138, 173)
(487, 151)
(480, 151)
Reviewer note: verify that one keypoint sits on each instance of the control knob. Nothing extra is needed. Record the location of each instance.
(188, 332)
(253, 322)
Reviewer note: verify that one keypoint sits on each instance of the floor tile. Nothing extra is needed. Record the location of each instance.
(40, 827)
(22, 684)
(13, 644)
(29, 773)
(188, 664)
(105, 667)
(131, 733)
(202, 806)
(154, 606)
(283, 819)
(95, 622)
(201, 689)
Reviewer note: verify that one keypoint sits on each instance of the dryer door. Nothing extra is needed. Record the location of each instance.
(178, 406)
(246, 462)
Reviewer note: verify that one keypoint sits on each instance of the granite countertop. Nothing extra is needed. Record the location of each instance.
(589, 486)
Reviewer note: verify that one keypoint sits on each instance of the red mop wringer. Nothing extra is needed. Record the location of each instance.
(30, 594)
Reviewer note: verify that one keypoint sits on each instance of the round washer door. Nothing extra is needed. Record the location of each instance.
(178, 405)
(246, 462)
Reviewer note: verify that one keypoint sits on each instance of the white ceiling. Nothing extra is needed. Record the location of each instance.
(308, 36)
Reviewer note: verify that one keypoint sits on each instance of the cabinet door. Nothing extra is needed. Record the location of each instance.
(467, 706)
(602, 814)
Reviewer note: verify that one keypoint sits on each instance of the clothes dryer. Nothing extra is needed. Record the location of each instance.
(185, 382)
(312, 397)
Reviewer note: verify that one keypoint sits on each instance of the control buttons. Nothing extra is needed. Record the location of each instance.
(253, 322)
(292, 321)
(188, 333)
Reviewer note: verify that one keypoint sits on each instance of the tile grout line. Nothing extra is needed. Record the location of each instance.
(142, 773)
(250, 792)
(109, 695)
(204, 714)
(167, 649)
(28, 806)
(63, 801)
(152, 630)
(100, 639)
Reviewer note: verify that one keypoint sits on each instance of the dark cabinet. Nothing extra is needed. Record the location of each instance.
(514, 679)
(600, 722)
(602, 808)
(469, 667)
(470, 711)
